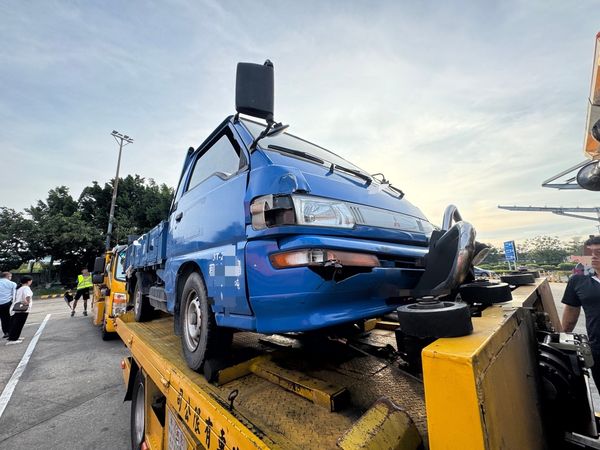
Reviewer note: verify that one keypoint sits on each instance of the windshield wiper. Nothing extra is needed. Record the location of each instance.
(296, 153)
(357, 173)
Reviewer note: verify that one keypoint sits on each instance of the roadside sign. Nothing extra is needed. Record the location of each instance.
(510, 251)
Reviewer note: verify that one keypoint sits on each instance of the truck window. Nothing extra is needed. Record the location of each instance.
(221, 157)
(120, 269)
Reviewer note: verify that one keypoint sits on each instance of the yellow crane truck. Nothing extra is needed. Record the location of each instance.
(515, 382)
(110, 298)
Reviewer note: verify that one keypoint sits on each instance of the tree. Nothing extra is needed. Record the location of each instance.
(140, 205)
(575, 246)
(62, 232)
(544, 250)
(15, 236)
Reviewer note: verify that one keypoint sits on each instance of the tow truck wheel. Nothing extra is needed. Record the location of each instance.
(138, 412)
(201, 338)
(142, 309)
(106, 336)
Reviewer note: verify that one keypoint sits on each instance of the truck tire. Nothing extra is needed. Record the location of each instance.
(201, 338)
(138, 412)
(106, 335)
(142, 309)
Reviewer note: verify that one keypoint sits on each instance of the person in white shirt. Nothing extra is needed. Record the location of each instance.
(7, 295)
(18, 318)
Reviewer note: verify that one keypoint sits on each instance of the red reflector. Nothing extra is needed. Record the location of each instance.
(144, 446)
(123, 365)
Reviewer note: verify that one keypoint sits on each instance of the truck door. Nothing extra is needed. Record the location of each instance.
(207, 223)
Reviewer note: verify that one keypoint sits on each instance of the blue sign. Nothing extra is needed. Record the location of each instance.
(510, 251)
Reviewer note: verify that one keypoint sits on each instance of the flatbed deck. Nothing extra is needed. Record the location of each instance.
(270, 411)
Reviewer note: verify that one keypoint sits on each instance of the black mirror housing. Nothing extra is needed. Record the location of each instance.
(99, 265)
(254, 90)
(97, 278)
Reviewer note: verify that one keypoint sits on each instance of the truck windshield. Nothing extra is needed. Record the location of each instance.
(120, 269)
(299, 147)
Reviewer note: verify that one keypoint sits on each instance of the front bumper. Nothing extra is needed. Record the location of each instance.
(300, 299)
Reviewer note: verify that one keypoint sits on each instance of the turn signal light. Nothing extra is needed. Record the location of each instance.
(119, 297)
(320, 257)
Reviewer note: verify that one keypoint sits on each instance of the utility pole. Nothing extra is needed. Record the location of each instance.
(122, 140)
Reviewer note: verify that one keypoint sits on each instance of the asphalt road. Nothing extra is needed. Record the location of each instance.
(70, 394)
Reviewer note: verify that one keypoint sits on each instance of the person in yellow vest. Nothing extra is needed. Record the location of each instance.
(84, 283)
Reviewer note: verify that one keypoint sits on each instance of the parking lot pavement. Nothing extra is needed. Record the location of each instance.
(70, 394)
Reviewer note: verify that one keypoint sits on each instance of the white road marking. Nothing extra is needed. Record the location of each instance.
(14, 379)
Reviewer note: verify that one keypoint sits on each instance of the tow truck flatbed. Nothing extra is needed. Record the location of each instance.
(297, 392)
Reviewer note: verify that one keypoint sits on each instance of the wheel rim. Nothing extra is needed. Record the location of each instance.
(193, 322)
(138, 431)
(137, 302)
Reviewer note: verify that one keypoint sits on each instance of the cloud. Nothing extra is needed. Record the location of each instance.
(464, 103)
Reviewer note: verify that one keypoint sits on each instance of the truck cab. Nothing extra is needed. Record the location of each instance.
(110, 298)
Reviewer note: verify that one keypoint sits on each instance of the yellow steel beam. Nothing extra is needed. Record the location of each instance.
(317, 391)
(383, 426)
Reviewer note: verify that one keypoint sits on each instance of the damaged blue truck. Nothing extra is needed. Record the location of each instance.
(270, 233)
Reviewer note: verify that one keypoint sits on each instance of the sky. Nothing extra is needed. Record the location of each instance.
(466, 103)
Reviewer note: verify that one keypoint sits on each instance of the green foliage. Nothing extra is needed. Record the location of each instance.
(544, 249)
(566, 266)
(16, 232)
(73, 231)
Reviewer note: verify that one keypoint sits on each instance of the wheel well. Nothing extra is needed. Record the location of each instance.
(132, 374)
(183, 272)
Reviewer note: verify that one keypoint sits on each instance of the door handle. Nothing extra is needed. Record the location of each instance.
(178, 217)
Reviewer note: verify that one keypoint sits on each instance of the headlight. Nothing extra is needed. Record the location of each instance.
(276, 210)
(322, 212)
(119, 305)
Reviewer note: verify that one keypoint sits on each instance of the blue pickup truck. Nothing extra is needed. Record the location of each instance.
(271, 233)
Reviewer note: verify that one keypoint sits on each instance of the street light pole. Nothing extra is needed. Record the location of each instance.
(122, 140)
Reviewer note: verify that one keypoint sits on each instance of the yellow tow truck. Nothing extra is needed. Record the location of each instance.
(515, 382)
(110, 298)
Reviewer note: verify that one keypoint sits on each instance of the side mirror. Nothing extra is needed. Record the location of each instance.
(97, 278)
(254, 90)
(99, 265)
(588, 176)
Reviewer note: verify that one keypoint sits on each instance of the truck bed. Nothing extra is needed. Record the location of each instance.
(276, 416)
(482, 389)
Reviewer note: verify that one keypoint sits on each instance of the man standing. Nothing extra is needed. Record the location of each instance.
(7, 294)
(84, 283)
(584, 291)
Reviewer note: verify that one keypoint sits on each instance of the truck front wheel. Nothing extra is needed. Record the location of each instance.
(142, 309)
(201, 338)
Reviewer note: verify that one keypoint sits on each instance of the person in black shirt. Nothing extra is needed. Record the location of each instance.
(584, 291)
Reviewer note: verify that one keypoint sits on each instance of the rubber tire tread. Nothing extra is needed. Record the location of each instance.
(146, 311)
(106, 335)
(139, 378)
(214, 340)
(448, 321)
(485, 293)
